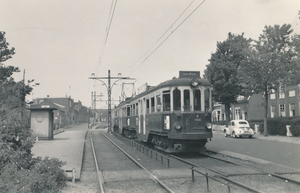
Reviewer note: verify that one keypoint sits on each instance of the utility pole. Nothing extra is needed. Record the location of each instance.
(109, 88)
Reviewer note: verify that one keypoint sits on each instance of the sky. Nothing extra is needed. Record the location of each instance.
(61, 43)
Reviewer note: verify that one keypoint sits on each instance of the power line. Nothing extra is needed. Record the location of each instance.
(161, 36)
(166, 37)
(109, 22)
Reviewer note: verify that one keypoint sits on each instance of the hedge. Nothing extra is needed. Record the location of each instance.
(295, 126)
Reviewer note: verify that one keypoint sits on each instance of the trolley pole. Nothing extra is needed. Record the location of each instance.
(109, 88)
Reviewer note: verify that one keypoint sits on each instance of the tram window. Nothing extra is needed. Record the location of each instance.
(197, 100)
(137, 109)
(152, 105)
(176, 100)
(133, 109)
(128, 111)
(206, 99)
(147, 106)
(158, 103)
(166, 101)
(186, 99)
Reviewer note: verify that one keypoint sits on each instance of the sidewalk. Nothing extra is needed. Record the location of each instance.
(285, 139)
(67, 146)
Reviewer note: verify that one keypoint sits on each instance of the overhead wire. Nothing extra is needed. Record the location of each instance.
(166, 37)
(107, 30)
(161, 36)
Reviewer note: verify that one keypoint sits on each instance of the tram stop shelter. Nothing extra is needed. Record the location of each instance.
(41, 119)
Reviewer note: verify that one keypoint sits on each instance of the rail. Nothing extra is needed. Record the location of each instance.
(138, 164)
(221, 176)
(209, 177)
(96, 164)
(143, 149)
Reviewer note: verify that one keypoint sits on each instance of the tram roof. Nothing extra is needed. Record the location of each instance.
(169, 83)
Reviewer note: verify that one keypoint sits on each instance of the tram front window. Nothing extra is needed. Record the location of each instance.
(197, 101)
(186, 99)
(176, 100)
(206, 99)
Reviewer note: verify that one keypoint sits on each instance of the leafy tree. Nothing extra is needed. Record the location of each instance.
(271, 63)
(222, 71)
(19, 171)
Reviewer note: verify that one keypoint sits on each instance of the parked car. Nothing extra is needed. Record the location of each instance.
(238, 128)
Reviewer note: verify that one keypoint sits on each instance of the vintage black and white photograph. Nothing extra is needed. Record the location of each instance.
(136, 96)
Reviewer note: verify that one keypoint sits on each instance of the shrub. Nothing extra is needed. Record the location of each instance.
(295, 126)
(44, 176)
(252, 123)
(278, 126)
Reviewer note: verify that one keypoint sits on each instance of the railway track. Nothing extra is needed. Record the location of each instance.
(120, 172)
(274, 173)
(235, 175)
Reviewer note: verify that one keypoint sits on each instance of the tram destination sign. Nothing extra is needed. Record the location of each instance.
(189, 74)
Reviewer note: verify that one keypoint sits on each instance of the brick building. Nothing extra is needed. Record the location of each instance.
(282, 103)
(285, 102)
(246, 108)
(69, 112)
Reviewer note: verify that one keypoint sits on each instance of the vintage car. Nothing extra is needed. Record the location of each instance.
(238, 128)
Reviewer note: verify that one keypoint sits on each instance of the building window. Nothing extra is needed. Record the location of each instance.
(218, 115)
(272, 96)
(292, 110)
(282, 110)
(272, 111)
(281, 94)
(291, 93)
(237, 114)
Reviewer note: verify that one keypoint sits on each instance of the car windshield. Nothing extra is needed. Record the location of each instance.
(243, 123)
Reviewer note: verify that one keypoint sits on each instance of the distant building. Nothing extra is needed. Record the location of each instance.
(69, 112)
(101, 115)
(250, 108)
(285, 102)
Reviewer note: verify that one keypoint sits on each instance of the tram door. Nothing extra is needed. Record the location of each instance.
(144, 117)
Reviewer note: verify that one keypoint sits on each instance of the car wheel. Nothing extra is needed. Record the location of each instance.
(233, 134)
(225, 135)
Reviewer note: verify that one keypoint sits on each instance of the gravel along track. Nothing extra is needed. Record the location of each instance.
(120, 174)
(250, 176)
(88, 181)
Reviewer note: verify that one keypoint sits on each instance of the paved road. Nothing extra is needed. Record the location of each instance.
(283, 153)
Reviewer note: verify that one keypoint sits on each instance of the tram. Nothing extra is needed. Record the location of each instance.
(174, 116)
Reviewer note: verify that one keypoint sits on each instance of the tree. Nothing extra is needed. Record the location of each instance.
(271, 63)
(222, 71)
(19, 171)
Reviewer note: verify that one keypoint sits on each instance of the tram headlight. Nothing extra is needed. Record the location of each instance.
(177, 126)
(194, 82)
(208, 125)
